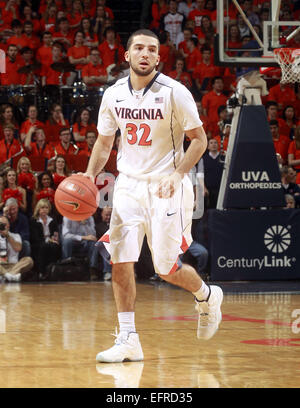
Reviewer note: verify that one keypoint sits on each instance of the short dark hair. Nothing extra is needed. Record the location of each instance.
(25, 49)
(64, 129)
(46, 33)
(142, 31)
(214, 79)
(273, 122)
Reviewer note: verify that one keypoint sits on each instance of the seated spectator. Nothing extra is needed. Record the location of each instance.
(17, 38)
(111, 50)
(78, 54)
(223, 136)
(234, 40)
(7, 117)
(290, 121)
(213, 170)
(44, 52)
(48, 74)
(87, 146)
(13, 190)
(196, 15)
(108, 10)
(272, 114)
(89, 7)
(48, 19)
(75, 15)
(64, 34)
(102, 227)
(294, 153)
(38, 148)
(12, 64)
(98, 22)
(60, 170)
(182, 42)
(94, 73)
(281, 142)
(9, 13)
(11, 268)
(213, 129)
(44, 237)
(55, 123)
(290, 201)
(31, 124)
(45, 188)
(83, 124)
(180, 74)
(194, 57)
(288, 182)
(27, 60)
(206, 29)
(79, 237)
(248, 9)
(90, 37)
(65, 146)
(185, 7)
(9, 146)
(27, 180)
(283, 94)
(18, 224)
(167, 53)
(158, 9)
(27, 14)
(32, 41)
(205, 70)
(213, 99)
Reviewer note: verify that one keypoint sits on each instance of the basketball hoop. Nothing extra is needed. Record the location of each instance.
(289, 61)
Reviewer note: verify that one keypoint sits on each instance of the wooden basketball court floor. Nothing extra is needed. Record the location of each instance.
(51, 333)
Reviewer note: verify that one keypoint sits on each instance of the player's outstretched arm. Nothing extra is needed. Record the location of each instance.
(99, 156)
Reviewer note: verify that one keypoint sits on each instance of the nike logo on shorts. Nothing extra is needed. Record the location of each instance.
(169, 214)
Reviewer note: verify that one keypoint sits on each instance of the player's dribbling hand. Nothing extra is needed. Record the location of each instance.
(92, 178)
(168, 185)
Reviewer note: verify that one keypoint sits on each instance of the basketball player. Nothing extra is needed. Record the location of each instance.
(153, 194)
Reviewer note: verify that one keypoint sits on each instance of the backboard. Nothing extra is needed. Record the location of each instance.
(274, 32)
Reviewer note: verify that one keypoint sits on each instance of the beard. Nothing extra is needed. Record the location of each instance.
(141, 72)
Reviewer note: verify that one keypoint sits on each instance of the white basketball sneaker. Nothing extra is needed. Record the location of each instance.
(127, 348)
(210, 314)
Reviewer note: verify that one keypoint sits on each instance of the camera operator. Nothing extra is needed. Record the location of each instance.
(10, 246)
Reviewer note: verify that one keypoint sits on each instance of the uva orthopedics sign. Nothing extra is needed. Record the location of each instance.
(253, 174)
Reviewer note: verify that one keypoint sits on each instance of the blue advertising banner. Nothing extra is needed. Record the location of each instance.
(254, 245)
(253, 176)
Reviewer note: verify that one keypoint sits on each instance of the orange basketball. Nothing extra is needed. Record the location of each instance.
(76, 197)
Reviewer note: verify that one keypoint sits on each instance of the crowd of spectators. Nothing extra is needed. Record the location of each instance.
(55, 43)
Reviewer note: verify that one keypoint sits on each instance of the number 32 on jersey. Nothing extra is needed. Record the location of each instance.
(133, 131)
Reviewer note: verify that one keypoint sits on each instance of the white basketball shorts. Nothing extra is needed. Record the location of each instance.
(166, 222)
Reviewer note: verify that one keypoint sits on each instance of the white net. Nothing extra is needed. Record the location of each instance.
(289, 61)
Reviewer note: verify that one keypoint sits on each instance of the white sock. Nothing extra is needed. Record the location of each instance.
(202, 293)
(126, 322)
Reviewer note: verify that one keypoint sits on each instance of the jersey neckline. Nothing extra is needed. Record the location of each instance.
(147, 87)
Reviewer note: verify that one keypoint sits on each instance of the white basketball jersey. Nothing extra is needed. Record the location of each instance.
(152, 124)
